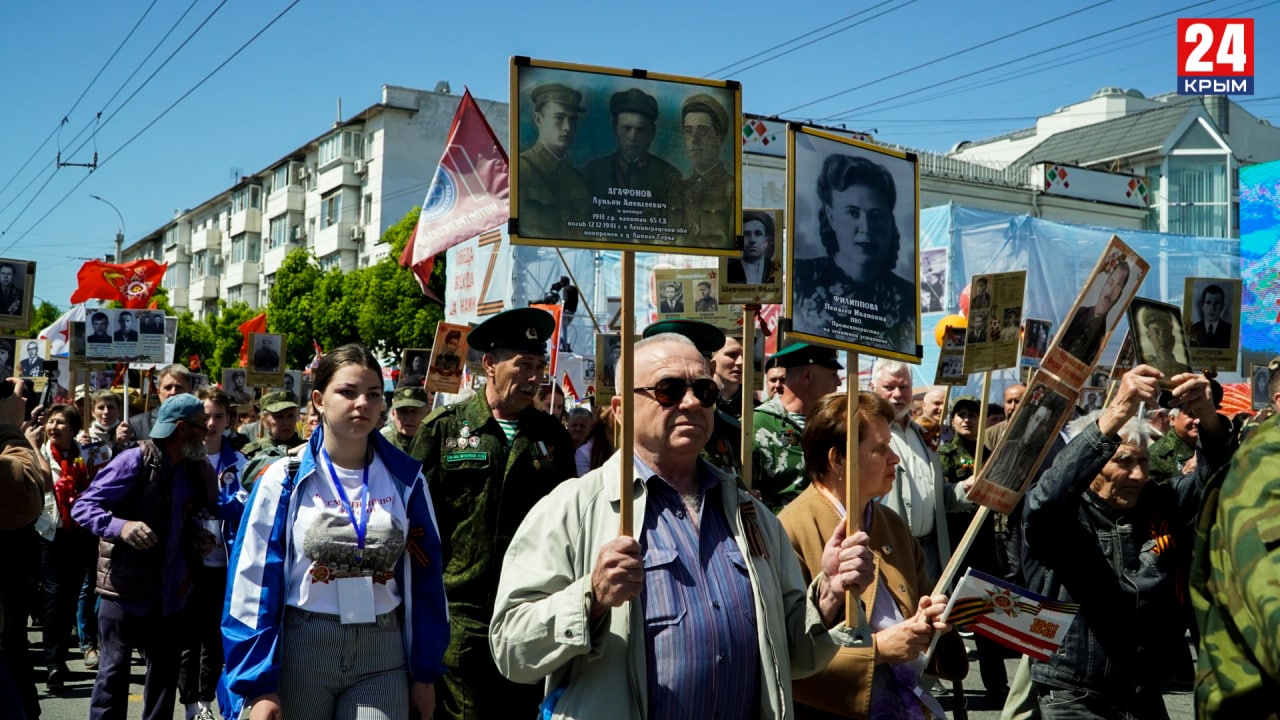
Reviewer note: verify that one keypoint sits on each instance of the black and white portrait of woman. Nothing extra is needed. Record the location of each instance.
(856, 255)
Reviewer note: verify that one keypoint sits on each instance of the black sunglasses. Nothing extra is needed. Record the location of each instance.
(670, 391)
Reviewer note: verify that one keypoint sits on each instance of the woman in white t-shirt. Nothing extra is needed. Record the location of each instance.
(337, 600)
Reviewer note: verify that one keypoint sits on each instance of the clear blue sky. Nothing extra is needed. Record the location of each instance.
(284, 88)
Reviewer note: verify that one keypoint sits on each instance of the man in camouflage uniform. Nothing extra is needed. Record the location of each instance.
(724, 449)
(280, 419)
(552, 191)
(1171, 452)
(777, 462)
(487, 460)
(1233, 585)
(408, 408)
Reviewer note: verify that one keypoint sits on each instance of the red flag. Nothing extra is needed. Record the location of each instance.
(255, 324)
(131, 283)
(193, 362)
(468, 194)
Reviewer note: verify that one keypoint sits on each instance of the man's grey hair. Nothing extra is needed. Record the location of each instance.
(176, 369)
(667, 337)
(1138, 431)
(883, 368)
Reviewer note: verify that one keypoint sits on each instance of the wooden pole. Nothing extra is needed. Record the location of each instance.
(982, 421)
(626, 395)
(853, 616)
(748, 385)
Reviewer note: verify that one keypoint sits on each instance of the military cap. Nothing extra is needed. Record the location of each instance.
(414, 397)
(278, 401)
(707, 337)
(801, 354)
(704, 103)
(968, 401)
(524, 329)
(557, 93)
(636, 101)
(1147, 315)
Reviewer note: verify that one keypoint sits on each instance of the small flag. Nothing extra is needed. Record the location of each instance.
(59, 331)
(193, 363)
(468, 194)
(1005, 613)
(255, 324)
(315, 360)
(131, 284)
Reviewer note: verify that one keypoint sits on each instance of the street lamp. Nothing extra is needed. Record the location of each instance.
(120, 233)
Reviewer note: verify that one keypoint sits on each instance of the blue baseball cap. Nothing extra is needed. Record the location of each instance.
(176, 409)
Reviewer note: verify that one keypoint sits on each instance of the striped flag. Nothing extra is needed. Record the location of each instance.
(1019, 619)
(315, 360)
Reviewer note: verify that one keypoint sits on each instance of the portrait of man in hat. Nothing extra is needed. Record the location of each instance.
(635, 125)
(708, 190)
(552, 192)
(1158, 332)
(11, 287)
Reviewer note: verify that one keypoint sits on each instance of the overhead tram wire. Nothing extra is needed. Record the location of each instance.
(824, 37)
(76, 104)
(948, 56)
(99, 125)
(157, 119)
(1082, 54)
(844, 114)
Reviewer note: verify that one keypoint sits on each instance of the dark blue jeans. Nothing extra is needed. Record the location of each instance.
(119, 634)
(1059, 704)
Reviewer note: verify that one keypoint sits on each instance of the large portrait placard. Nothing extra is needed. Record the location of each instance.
(853, 216)
(266, 360)
(1112, 284)
(1045, 406)
(624, 160)
(1211, 311)
(693, 293)
(17, 285)
(995, 321)
(755, 277)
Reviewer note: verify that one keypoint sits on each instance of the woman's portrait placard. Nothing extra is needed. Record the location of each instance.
(617, 159)
(413, 367)
(448, 350)
(1035, 340)
(995, 319)
(853, 216)
(17, 283)
(1211, 310)
(1156, 329)
(31, 353)
(1112, 284)
(1045, 406)
(755, 278)
(1260, 376)
(266, 359)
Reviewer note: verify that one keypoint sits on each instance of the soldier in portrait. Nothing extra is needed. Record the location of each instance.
(708, 190)
(632, 166)
(552, 191)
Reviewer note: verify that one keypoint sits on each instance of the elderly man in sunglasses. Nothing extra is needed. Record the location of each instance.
(703, 613)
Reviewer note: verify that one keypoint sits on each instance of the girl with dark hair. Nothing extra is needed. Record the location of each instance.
(337, 599)
(855, 281)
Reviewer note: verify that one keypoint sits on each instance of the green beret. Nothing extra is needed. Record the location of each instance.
(707, 337)
(704, 103)
(801, 354)
(636, 101)
(969, 400)
(557, 93)
(414, 397)
(522, 329)
(277, 401)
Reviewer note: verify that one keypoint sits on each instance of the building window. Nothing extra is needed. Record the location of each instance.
(237, 248)
(171, 237)
(278, 233)
(330, 261)
(198, 264)
(366, 210)
(235, 294)
(248, 197)
(331, 209)
(1197, 194)
(280, 177)
(345, 144)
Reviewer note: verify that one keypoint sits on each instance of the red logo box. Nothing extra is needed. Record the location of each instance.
(1215, 47)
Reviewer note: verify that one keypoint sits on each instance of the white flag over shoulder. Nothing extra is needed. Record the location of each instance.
(59, 332)
(1016, 618)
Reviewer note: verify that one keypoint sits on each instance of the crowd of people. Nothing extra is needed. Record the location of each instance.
(356, 552)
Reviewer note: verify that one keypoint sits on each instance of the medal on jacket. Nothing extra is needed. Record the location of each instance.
(360, 528)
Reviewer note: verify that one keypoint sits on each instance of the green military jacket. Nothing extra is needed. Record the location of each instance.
(1167, 456)
(957, 461)
(402, 442)
(708, 208)
(552, 193)
(1233, 584)
(265, 442)
(777, 461)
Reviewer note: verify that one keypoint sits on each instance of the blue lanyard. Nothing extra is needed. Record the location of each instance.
(361, 527)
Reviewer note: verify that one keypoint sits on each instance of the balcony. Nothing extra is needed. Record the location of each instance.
(208, 239)
(202, 289)
(249, 220)
(335, 238)
(241, 273)
(290, 198)
(338, 174)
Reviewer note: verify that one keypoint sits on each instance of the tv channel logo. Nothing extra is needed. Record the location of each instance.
(1215, 56)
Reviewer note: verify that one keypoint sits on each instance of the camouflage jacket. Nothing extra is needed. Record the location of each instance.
(402, 442)
(777, 462)
(1167, 457)
(265, 442)
(1233, 584)
(957, 461)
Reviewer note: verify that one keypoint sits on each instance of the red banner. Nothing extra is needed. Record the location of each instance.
(132, 284)
(255, 324)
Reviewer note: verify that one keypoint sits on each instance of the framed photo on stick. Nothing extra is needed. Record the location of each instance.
(1211, 313)
(853, 216)
(755, 277)
(448, 350)
(995, 321)
(266, 360)
(1156, 329)
(17, 283)
(624, 159)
